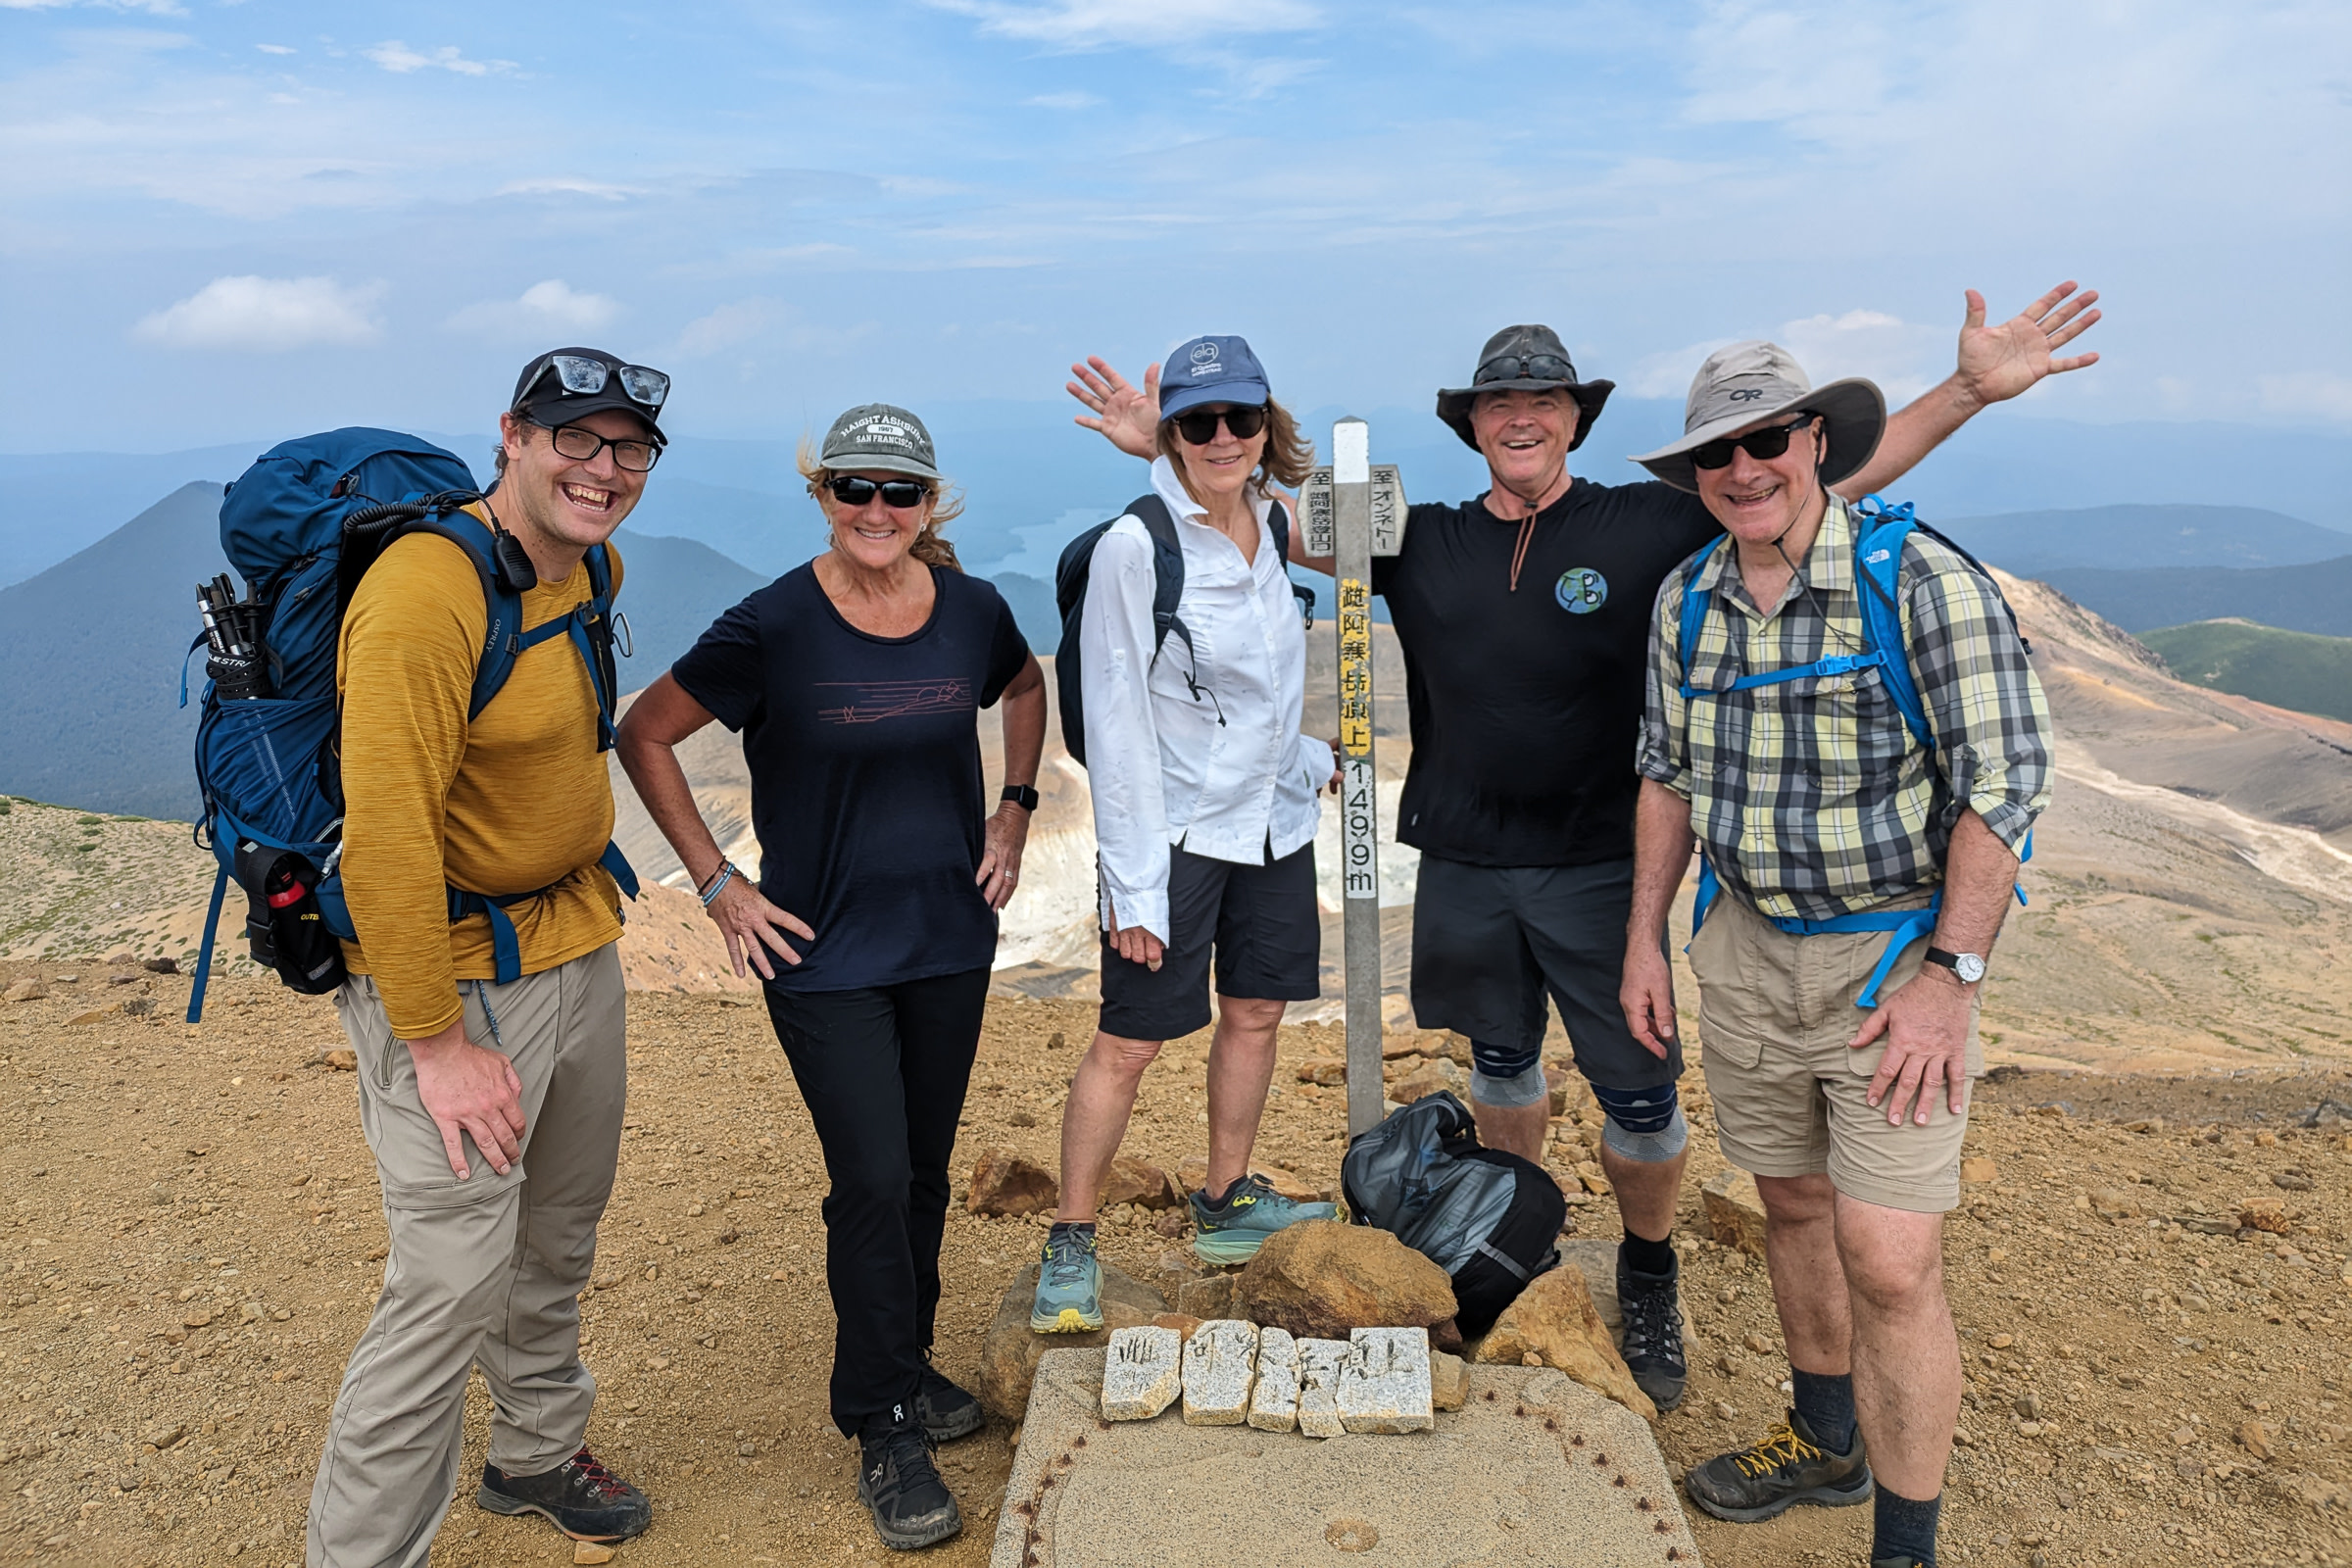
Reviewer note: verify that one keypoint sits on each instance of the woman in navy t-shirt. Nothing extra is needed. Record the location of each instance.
(856, 681)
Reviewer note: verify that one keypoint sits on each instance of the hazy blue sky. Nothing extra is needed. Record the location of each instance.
(227, 221)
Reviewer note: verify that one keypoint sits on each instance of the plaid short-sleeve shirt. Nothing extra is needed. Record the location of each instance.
(1810, 797)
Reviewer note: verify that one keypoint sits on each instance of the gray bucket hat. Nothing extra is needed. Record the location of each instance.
(881, 437)
(1524, 359)
(1748, 381)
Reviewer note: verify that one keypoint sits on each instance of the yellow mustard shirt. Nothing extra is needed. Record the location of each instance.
(517, 800)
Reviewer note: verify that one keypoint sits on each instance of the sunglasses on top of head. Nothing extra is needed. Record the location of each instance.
(1525, 368)
(851, 491)
(1199, 426)
(1763, 445)
(582, 376)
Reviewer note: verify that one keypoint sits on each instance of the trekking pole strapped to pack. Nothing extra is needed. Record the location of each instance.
(1880, 531)
(303, 525)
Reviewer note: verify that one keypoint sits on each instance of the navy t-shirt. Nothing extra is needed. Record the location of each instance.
(864, 756)
(1526, 706)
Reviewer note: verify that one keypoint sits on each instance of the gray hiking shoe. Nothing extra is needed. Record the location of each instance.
(1787, 1468)
(1069, 1285)
(1233, 1231)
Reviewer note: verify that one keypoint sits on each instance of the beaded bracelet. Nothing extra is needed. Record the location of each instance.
(719, 881)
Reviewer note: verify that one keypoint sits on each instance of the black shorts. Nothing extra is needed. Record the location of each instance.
(1488, 941)
(1263, 924)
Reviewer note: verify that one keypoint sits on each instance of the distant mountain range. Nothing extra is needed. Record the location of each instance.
(2286, 668)
(2314, 597)
(90, 673)
(2034, 544)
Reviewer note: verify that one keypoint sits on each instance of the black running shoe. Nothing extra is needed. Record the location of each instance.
(1652, 1338)
(911, 1506)
(1787, 1468)
(581, 1497)
(947, 1411)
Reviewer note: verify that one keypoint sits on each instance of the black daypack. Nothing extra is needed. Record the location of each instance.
(1076, 567)
(1486, 1216)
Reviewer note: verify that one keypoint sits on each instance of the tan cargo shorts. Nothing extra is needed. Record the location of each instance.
(1775, 1014)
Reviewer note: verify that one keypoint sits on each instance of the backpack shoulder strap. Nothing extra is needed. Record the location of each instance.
(1278, 523)
(1694, 610)
(1880, 531)
(1167, 569)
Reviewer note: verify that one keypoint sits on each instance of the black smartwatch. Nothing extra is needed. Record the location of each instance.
(1023, 795)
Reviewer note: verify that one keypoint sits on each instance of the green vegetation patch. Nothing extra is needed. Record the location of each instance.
(2298, 670)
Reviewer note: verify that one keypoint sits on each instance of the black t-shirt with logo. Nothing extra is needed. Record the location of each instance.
(1526, 706)
(865, 758)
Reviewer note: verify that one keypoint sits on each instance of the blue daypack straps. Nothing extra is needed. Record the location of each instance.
(1880, 531)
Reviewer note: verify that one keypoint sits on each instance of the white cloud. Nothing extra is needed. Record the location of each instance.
(396, 56)
(1899, 355)
(2305, 394)
(727, 327)
(154, 8)
(1149, 24)
(266, 315)
(553, 307)
(274, 48)
(1064, 100)
(567, 185)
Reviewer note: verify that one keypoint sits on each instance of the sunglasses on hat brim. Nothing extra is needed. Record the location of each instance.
(581, 376)
(1525, 368)
(1763, 445)
(1198, 427)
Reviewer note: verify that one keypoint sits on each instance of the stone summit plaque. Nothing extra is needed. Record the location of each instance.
(1534, 1470)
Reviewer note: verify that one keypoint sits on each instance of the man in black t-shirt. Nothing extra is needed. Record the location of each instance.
(1523, 617)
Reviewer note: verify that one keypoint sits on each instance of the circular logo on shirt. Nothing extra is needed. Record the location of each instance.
(1580, 590)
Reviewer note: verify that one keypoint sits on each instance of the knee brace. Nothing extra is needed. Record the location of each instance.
(1643, 1125)
(1503, 1077)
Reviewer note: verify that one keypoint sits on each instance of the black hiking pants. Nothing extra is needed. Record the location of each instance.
(883, 1072)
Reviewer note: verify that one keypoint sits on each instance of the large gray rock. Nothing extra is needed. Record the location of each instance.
(1501, 1483)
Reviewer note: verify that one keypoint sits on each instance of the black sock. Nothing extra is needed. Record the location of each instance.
(1061, 1227)
(1216, 1204)
(1645, 1256)
(1904, 1530)
(1827, 1405)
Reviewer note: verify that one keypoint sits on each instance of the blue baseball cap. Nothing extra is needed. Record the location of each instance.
(1211, 369)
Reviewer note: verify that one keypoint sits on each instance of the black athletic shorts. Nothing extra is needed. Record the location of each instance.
(1260, 920)
(1488, 941)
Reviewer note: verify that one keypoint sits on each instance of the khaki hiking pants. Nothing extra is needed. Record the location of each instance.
(482, 1272)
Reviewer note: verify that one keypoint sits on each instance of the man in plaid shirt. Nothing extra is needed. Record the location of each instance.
(1858, 866)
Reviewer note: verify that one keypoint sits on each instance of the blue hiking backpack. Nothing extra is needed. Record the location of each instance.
(1075, 568)
(1880, 531)
(303, 525)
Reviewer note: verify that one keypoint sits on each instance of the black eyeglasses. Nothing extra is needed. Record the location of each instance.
(851, 491)
(1524, 367)
(581, 445)
(1199, 426)
(583, 376)
(1763, 445)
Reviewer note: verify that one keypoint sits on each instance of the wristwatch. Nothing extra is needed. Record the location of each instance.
(1969, 966)
(1024, 796)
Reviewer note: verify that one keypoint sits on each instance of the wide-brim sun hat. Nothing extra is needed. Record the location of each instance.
(1211, 369)
(1746, 382)
(1518, 358)
(879, 438)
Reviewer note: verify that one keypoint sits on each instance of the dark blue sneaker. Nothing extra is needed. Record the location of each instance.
(1233, 1231)
(579, 1496)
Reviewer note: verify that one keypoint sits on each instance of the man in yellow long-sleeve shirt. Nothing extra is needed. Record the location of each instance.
(493, 1109)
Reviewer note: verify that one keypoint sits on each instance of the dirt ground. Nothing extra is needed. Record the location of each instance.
(192, 1241)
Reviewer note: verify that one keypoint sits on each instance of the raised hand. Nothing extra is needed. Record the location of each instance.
(1127, 418)
(1997, 363)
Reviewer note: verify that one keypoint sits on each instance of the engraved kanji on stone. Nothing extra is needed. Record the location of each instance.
(1319, 1364)
(1384, 1385)
(1142, 1374)
(1274, 1398)
(1220, 1363)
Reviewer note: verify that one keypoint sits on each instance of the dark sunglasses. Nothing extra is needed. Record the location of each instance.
(581, 445)
(1199, 427)
(583, 377)
(1763, 445)
(851, 491)
(1525, 368)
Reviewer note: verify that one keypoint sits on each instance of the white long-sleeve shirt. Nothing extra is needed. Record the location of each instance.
(1225, 773)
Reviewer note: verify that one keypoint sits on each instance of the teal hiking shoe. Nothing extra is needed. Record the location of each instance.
(1234, 1230)
(1070, 1284)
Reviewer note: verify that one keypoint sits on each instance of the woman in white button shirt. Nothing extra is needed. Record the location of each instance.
(1205, 799)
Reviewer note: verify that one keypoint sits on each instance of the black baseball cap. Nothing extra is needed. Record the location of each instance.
(564, 385)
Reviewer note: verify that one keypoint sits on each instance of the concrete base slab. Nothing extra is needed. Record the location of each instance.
(1535, 1469)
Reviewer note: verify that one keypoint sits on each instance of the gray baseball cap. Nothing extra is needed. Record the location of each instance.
(880, 437)
(1744, 382)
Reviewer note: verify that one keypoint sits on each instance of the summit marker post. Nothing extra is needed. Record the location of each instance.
(1354, 513)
